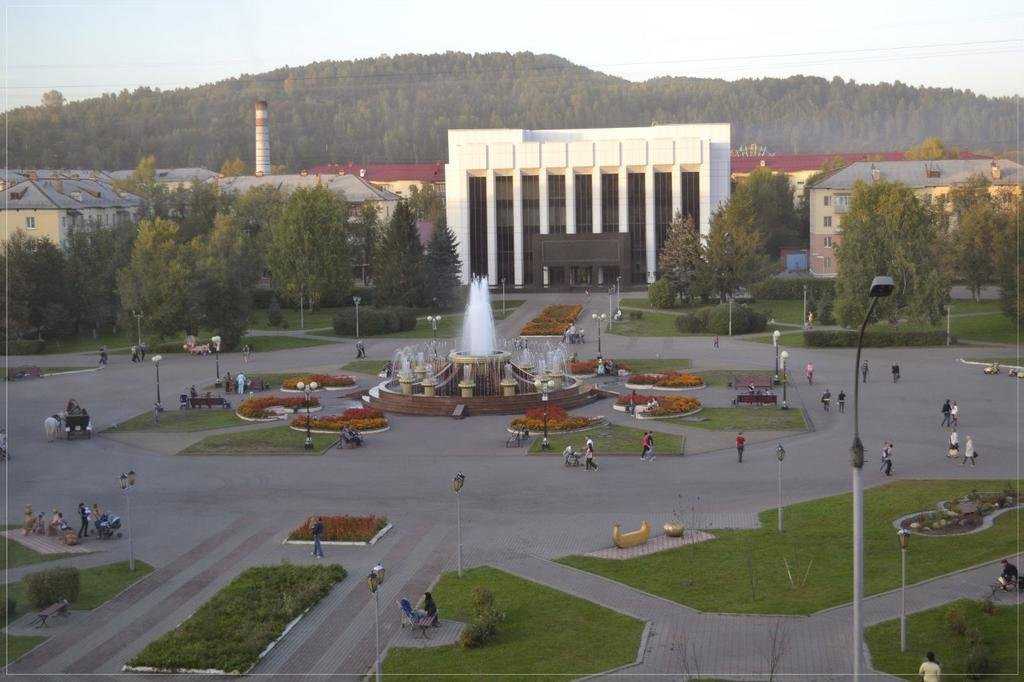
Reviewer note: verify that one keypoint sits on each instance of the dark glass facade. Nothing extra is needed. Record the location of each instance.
(609, 202)
(662, 208)
(689, 195)
(503, 222)
(556, 204)
(584, 205)
(637, 219)
(531, 223)
(478, 226)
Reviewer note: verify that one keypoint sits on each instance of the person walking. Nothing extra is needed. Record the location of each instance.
(809, 373)
(83, 513)
(946, 410)
(318, 532)
(886, 464)
(930, 671)
(895, 372)
(645, 446)
(741, 443)
(588, 456)
(103, 357)
(954, 415)
(841, 401)
(716, 341)
(826, 399)
(969, 453)
(864, 371)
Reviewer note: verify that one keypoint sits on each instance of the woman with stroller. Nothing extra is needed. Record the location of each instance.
(588, 456)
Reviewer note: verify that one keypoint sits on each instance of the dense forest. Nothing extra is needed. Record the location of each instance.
(399, 108)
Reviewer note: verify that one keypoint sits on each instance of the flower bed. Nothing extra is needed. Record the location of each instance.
(234, 629)
(358, 418)
(260, 407)
(558, 420)
(322, 380)
(590, 366)
(666, 405)
(960, 515)
(341, 528)
(552, 321)
(666, 380)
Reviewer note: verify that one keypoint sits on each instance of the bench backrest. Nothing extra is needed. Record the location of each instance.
(77, 421)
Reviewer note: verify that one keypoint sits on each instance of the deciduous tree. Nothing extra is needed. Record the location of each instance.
(233, 167)
(681, 261)
(735, 252)
(775, 215)
(225, 281)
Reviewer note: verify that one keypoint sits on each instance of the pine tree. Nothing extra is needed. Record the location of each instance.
(398, 270)
(443, 266)
(681, 260)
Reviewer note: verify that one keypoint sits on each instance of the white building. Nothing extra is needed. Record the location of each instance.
(563, 207)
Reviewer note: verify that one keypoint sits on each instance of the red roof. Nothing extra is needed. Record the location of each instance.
(791, 163)
(386, 172)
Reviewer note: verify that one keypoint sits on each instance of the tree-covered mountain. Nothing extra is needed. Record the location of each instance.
(399, 108)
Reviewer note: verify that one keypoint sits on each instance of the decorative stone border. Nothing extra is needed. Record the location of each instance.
(651, 387)
(322, 388)
(640, 414)
(287, 412)
(343, 543)
(601, 421)
(986, 522)
(334, 433)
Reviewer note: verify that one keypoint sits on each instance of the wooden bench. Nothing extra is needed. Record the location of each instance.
(756, 399)
(58, 609)
(208, 401)
(256, 384)
(459, 412)
(75, 424)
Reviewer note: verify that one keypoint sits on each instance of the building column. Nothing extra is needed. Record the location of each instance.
(623, 199)
(570, 201)
(650, 235)
(704, 185)
(677, 191)
(542, 204)
(517, 226)
(492, 231)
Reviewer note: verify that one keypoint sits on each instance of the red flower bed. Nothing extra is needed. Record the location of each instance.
(558, 420)
(590, 366)
(358, 418)
(667, 380)
(552, 321)
(342, 528)
(259, 408)
(322, 380)
(634, 399)
(673, 404)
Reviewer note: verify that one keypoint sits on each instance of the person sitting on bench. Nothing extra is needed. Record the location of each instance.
(1009, 577)
(349, 435)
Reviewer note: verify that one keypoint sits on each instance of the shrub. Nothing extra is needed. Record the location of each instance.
(979, 661)
(342, 528)
(50, 586)
(12, 609)
(824, 307)
(482, 598)
(661, 295)
(486, 618)
(374, 321)
(636, 314)
(692, 323)
(745, 320)
(274, 315)
(777, 288)
(844, 338)
(25, 346)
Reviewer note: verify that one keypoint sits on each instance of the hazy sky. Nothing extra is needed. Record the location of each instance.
(86, 48)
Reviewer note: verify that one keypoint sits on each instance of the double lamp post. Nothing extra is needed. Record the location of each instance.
(307, 389)
(127, 482)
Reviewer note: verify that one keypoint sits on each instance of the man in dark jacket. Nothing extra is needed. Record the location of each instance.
(318, 532)
(945, 413)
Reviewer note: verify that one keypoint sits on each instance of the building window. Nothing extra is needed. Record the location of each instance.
(503, 222)
(556, 204)
(478, 226)
(827, 240)
(826, 221)
(531, 223)
(827, 199)
(30, 222)
(584, 204)
(842, 203)
(609, 202)
(689, 195)
(637, 219)
(662, 207)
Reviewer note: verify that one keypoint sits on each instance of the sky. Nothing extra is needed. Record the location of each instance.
(86, 48)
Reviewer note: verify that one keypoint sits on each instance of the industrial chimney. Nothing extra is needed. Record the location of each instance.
(262, 165)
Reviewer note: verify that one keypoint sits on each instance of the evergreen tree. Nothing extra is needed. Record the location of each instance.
(681, 261)
(443, 267)
(398, 271)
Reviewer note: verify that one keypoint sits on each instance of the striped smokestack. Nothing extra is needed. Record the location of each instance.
(262, 165)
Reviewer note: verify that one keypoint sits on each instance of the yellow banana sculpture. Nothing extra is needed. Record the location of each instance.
(632, 538)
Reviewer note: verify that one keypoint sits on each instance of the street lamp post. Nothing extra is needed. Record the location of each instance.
(904, 536)
(357, 300)
(775, 342)
(307, 389)
(127, 482)
(215, 340)
(457, 483)
(138, 322)
(780, 452)
(156, 363)
(783, 356)
(433, 320)
(598, 319)
(804, 321)
(881, 287)
(948, 307)
(544, 386)
(503, 296)
(374, 580)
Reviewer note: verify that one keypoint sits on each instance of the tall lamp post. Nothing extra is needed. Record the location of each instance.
(457, 483)
(904, 536)
(775, 342)
(156, 363)
(780, 452)
(357, 300)
(215, 340)
(127, 482)
(138, 322)
(503, 296)
(544, 386)
(374, 580)
(307, 389)
(598, 319)
(881, 287)
(783, 356)
(433, 320)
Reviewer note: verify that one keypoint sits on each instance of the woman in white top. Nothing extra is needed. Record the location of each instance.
(968, 451)
(954, 415)
(954, 444)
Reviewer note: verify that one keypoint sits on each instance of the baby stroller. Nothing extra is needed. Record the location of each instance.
(571, 458)
(108, 525)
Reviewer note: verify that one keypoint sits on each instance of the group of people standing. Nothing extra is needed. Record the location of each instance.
(139, 351)
(951, 420)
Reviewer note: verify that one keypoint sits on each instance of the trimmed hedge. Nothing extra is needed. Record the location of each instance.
(745, 320)
(231, 630)
(50, 586)
(873, 338)
(776, 288)
(374, 321)
(661, 295)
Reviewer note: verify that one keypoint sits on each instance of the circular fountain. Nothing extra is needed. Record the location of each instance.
(484, 374)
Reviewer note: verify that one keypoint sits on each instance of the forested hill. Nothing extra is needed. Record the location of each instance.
(398, 109)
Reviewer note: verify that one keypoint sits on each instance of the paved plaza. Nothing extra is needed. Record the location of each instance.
(200, 520)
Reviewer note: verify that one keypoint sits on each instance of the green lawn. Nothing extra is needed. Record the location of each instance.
(722, 377)
(97, 585)
(276, 440)
(16, 646)
(653, 366)
(816, 543)
(610, 439)
(182, 420)
(546, 634)
(16, 554)
(788, 311)
(651, 324)
(364, 366)
(929, 631)
(450, 326)
(746, 419)
(320, 318)
(85, 343)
